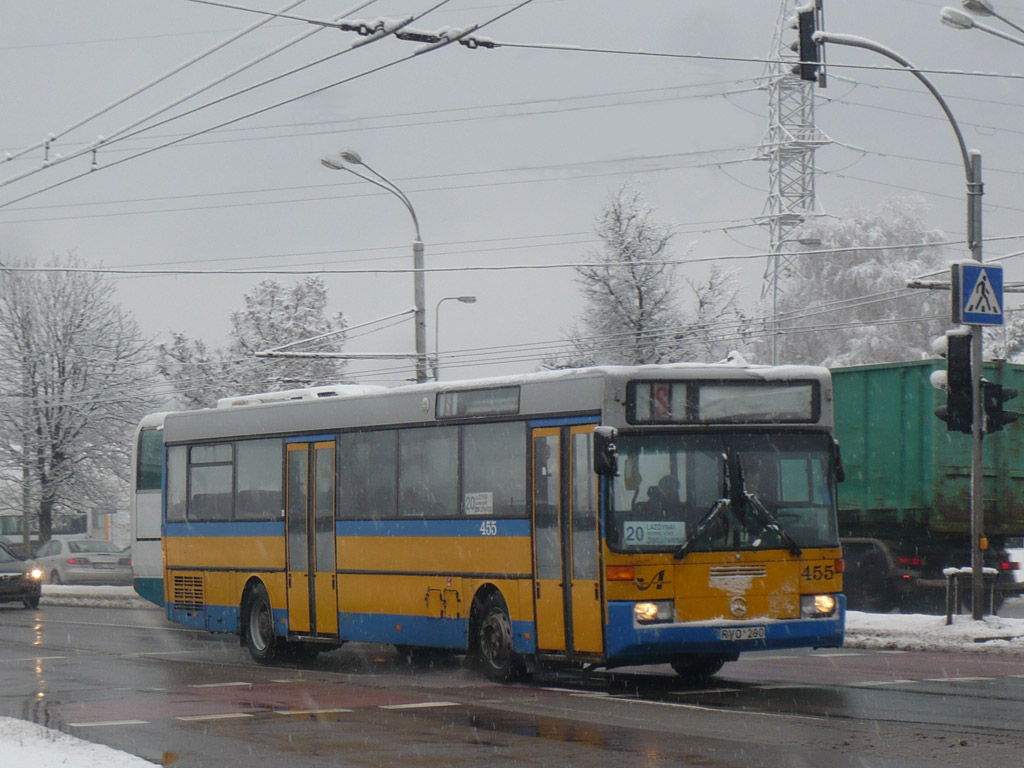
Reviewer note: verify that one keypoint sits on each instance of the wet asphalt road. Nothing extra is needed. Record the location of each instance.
(127, 678)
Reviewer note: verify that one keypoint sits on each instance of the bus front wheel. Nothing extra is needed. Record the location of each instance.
(264, 646)
(698, 667)
(495, 648)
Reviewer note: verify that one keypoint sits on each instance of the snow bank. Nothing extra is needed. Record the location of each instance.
(915, 632)
(93, 596)
(27, 744)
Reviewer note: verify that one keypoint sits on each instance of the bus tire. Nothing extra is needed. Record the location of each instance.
(494, 645)
(263, 644)
(698, 667)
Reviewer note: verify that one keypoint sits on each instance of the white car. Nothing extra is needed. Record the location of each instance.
(1017, 556)
(83, 561)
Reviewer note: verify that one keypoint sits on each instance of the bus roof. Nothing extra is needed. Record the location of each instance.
(577, 391)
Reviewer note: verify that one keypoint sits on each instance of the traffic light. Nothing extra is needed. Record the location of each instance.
(808, 20)
(957, 412)
(992, 397)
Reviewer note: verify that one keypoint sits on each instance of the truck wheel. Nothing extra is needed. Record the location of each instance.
(869, 588)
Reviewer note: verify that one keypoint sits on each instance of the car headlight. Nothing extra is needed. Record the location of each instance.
(36, 574)
(654, 611)
(817, 606)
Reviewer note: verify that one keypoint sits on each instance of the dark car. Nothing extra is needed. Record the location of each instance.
(19, 580)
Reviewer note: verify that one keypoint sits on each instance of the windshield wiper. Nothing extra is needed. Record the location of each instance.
(702, 526)
(771, 523)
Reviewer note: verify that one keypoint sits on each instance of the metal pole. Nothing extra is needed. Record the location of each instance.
(420, 313)
(975, 189)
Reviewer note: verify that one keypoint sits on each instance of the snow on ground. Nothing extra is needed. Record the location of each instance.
(24, 743)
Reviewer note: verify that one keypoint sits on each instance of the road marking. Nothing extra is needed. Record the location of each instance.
(869, 683)
(310, 711)
(839, 653)
(957, 679)
(423, 705)
(107, 723)
(226, 716)
(238, 684)
(33, 658)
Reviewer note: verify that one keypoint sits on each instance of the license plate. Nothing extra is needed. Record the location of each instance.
(105, 566)
(733, 634)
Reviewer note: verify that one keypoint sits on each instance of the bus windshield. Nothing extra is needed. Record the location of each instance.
(669, 485)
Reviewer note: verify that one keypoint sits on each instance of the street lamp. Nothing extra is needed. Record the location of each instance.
(437, 311)
(972, 170)
(957, 19)
(344, 161)
(985, 8)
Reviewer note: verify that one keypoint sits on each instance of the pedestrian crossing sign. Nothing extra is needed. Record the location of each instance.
(977, 293)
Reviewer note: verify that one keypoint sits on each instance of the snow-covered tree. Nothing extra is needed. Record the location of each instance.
(75, 377)
(633, 311)
(1007, 341)
(848, 304)
(273, 315)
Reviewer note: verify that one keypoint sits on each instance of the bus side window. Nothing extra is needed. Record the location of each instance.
(176, 493)
(494, 466)
(428, 472)
(367, 467)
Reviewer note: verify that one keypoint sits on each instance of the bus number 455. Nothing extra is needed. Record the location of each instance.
(489, 528)
(818, 573)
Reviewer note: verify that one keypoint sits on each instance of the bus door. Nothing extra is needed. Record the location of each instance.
(312, 572)
(567, 588)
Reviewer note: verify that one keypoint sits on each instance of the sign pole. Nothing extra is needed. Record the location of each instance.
(975, 190)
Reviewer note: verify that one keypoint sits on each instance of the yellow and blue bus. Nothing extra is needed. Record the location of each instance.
(599, 517)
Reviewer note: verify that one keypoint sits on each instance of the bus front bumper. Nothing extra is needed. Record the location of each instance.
(650, 643)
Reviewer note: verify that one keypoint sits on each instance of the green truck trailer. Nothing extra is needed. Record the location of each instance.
(904, 507)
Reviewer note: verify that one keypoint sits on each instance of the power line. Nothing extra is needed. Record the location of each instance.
(263, 110)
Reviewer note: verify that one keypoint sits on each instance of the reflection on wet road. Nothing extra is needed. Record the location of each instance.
(128, 679)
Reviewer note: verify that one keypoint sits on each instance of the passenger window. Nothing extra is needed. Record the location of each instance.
(428, 472)
(366, 475)
(176, 484)
(210, 482)
(258, 469)
(494, 469)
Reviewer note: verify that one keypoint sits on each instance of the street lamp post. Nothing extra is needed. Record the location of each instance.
(957, 19)
(985, 8)
(437, 325)
(972, 170)
(343, 161)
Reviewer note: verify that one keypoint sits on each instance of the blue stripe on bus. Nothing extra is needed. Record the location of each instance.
(226, 528)
(423, 631)
(650, 644)
(220, 618)
(566, 421)
(463, 527)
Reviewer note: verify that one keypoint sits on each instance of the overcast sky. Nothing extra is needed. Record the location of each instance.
(508, 155)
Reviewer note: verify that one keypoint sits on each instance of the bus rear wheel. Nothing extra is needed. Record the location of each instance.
(264, 645)
(495, 648)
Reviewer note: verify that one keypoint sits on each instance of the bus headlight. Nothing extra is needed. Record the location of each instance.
(652, 611)
(817, 606)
